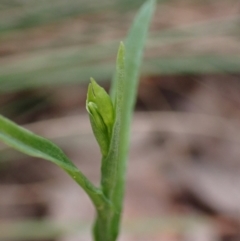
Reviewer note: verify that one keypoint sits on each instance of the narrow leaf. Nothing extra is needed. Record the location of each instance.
(134, 51)
(110, 163)
(33, 145)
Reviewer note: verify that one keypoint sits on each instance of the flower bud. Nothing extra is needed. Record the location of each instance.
(101, 114)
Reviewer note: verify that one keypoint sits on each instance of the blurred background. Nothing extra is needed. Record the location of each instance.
(183, 181)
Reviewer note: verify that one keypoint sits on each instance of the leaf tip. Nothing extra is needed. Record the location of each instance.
(121, 45)
(121, 52)
(92, 80)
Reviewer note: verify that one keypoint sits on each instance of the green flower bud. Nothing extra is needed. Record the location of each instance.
(101, 114)
(99, 128)
(96, 117)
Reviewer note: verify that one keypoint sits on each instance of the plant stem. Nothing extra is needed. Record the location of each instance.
(123, 92)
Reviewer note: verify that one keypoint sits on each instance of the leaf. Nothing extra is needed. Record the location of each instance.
(33, 145)
(111, 162)
(36, 146)
(135, 43)
(134, 51)
(123, 94)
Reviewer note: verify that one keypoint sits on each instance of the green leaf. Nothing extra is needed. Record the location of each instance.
(135, 43)
(102, 228)
(111, 162)
(36, 146)
(33, 145)
(123, 94)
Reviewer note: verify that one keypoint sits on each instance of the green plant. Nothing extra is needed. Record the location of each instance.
(110, 119)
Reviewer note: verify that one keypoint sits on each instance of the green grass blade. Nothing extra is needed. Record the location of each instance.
(33, 145)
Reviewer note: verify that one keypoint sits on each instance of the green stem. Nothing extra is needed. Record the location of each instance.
(123, 92)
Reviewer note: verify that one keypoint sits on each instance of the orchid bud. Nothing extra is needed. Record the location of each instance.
(101, 114)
